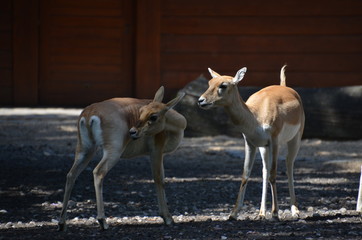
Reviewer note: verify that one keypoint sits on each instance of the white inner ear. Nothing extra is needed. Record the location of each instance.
(213, 73)
(159, 94)
(239, 75)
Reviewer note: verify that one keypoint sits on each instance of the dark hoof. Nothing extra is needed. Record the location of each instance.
(274, 219)
(62, 227)
(103, 224)
(168, 221)
(232, 218)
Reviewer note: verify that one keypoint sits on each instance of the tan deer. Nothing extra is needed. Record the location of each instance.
(125, 128)
(270, 117)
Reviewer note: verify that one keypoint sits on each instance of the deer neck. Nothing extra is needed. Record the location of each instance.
(243, 118)
(174, 122)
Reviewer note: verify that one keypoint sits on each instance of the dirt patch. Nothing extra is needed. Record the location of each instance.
(202, 180)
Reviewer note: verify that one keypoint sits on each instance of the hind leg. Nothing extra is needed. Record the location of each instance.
(82, 158)
(272, 181)
(110, 157)
(293, 148)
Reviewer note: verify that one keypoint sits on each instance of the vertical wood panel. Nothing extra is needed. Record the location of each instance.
(6, 81)
(148, 48)
(86, 51)
(25, 52)
(320, 41)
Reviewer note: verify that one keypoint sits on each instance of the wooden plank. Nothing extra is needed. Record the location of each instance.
(77, 42)
(261, 44)
(6, 40)
(6, 78)
(148, 48)
(102, 60)
(79, 22)
(6, 94)
(25, 52)
(262, 25)
(6, 7)
(261, 8)
(87, 33)
(86, 11)
(5, 19)
(85, 57)
(304, 79)
(90, 51)
(88, 4)
(5, 59)
(107, 77)
(81, 94)
(266, 78)
(263, 62)
(85, 68)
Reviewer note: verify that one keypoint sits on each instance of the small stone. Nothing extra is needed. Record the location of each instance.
(71, 203)
(343, 210)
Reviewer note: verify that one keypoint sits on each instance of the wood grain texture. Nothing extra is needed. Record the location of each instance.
(86, 51)
(25, 52)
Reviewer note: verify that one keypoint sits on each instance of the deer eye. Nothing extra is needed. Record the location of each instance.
(223, 86)
(153, 118)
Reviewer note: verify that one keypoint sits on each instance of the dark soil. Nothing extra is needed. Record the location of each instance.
(202, 180)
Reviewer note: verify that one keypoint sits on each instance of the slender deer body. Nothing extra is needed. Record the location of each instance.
(125, 128)
(270, 117)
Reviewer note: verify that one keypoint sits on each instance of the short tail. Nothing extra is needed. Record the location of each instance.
(283, 81)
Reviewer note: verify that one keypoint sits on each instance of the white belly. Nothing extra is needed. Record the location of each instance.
(288, 132)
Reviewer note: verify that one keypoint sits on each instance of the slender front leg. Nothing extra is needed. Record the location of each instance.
(250, 152)
(158, 176)
(266, 153)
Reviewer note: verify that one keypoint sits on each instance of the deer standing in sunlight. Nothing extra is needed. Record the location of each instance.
(270, 117)
(125, 127)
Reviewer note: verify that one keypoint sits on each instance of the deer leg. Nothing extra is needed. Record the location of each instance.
(266, 155)
(272, 181)
(293, 148)
(110, 158)
(158, 177)
(82, 158)
(250, 152)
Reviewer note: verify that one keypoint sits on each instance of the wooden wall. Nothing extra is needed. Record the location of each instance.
(6, 84)
(72, 53)
(86, 50)
(320, 40)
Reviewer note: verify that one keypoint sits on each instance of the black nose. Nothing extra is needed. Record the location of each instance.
(201, 101)
(132, 131)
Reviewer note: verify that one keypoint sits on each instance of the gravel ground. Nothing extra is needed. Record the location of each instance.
(202, 180)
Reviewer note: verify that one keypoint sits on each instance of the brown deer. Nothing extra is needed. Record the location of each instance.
(125, 128)
(270, 117)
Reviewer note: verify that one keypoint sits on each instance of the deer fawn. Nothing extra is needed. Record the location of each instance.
(270, 117)
(125, 127)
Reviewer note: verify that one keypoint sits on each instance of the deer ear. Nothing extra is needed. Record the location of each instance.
(213, 73)
(239, 75)
(159, 94)
(176, 100)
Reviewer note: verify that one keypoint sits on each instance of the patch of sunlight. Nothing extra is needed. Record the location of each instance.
(39, 111)
(324, 181)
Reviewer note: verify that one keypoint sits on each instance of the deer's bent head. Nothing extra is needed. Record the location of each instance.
(152, 116)
(220, 89)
